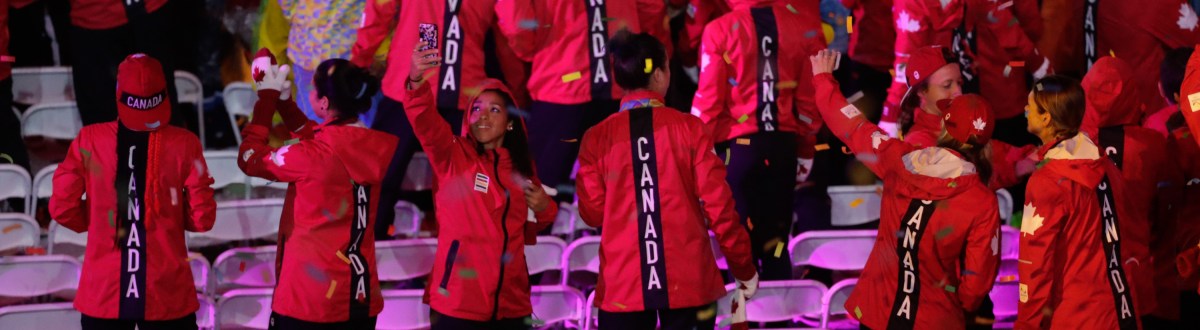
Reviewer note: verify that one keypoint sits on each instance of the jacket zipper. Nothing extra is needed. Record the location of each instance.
(503, 228)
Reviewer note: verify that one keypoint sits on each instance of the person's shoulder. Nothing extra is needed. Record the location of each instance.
(175, 135)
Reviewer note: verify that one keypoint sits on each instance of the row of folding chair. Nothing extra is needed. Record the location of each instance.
(63, 316)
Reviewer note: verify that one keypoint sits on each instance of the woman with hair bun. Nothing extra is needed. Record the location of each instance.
(326, 276)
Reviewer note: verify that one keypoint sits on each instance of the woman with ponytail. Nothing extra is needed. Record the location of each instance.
(487, 188)
(326, 276)
(657, 164)
(937, 253)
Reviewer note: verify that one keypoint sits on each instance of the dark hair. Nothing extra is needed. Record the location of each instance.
(1063, 98)
(348, 87)
(629, 53)
(973, 151)
(516, 141)
(1171, 71)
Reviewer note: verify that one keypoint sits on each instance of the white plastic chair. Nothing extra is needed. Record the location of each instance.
(403, 310)
(18, 231)
(189, 90)
(200, 268)
(583, 254)
(854, 205)
(25, 277)
(245, 267)
(777, 301)
(222, 165)
(546, 255)
(405, 259)
(56, 316)
(241, 220)
(1004, 293)
(557, 303)
(239, 101)
(590, 312)
(64, 241)
(568, 222)
(1005, 202)
(832, 249)
(835, 305)
(407, 221)
(43, 187)
(1010, 242)
(244, 309)
(207, 313)
(42, 85)
(419, 174)
(16, 183)
(53, 120)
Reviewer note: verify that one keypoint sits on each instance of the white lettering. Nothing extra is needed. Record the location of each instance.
(647, 179)
(357, 263)
(448, 81)
(766, 41)
(131, 149)
(601, 74)
(642, 154)
(132, 290)
(654, 281)
(904, 312)
(133, 259)
(648, 200)
(651, 232)
(651, 252)
(134, 238)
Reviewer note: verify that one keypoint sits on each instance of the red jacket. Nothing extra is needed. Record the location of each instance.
(569, 53)
(873, 42)
(336, 176)
(175, 196)
(107, 14)
(1189, 96)
(1003, 157)
(1004, 53)
(731, 98)
(657, 164)
(1076, 270)
(1157, 120)
(1139, 32)
(462, 27)
(699, 13)
(919, 23)
(1186, 155)
(938, 249)
(482, 216)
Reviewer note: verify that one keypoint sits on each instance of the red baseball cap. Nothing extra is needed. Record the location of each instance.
(142, 100)
(966, 116)
(923, 63)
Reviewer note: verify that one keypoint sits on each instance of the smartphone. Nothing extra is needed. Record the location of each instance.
(427, 35)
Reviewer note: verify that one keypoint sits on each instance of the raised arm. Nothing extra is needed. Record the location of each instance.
(431, 129)
(867, 141)
(255, 156)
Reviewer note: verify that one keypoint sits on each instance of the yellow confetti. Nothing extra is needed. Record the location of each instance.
(857, 312)
(619, 305)
(778, 249)
(786, 84)
(11, 228)
(821, 147)
(1111, 53)
(727, 60)
(726, 157)
(707, 313)
(332, 286)
(743, 141)
(343, 257)
(649, 66)
(849, 24)
(856, 202)
(743, 118)
(573, 76)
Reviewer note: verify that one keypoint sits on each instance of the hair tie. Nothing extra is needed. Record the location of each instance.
(361, 91)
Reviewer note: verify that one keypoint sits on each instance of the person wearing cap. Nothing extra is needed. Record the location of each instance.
(488, 188)
(327, 275)
(1170, 79)
(146, 183)
(656, 163)
(1112, 118)
(1076, 270)
(937, 253)
(755, 101)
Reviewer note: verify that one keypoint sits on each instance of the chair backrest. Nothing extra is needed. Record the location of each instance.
(582, 254)
(546, 255)
(200, 268)
(835, 299)
(405, 259)
(18, 231)
(244, 309)
(16, 183)
(260, 182)
(207, 312)
(564, 220)
(241, 220)
(63, 241)
(43, 182)
(57, 316)
(239, 101)
(833, 249)
(42, 85)
(222, 165)
(590, 312)
(854, 205)
(407, 219)
(419, 174)
(777, 300)
(189, 90)
(557, 303)
(1005, 202)
(38, 275)
(245, 267)
(1010, 242)
(403, 310)
(53, 120)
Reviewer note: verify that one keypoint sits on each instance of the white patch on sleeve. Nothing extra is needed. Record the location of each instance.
(277, 156)
(1194, 101)
(877, 138)
(246, 155)
(850, 111)
(906, 23)
(1187, 18)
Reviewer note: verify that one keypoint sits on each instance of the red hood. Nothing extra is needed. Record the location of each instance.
(1077, 159)
(488, 84)
(359, 147)
(935, 174)
(1111, 96)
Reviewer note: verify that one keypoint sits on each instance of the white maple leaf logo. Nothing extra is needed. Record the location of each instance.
(878, 137)
(277, 156)
(979, 124)
(1187, 18)
(1030, 220)
(906, 23)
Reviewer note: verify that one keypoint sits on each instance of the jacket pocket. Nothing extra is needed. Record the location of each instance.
(449, 267)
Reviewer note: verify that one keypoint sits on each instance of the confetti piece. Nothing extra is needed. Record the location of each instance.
(1008, 278)
(266, 276)
(951, 289)
(343, 257)
(727, 59)
(706, 314)
(1017, 64)
(867, 157)
(967, 272)
(11, 228)
(573, 76)
(855, 97)
(443, 292)
(750, 224)
(7, 157)
(778, 249)
(743, 118)
(314, 273)
(528, 24)
(945, 231)
(849, 24)
(649, 66)
(857, 312)
(535, 323)
(856, 202)
(619, 305)
(505, 258)
(570, 140)
(1007, 71)
(900, 233)
(735, 26)
(810, 34)
(1027, 262)
(952, 184)
(786, 84)
(846, 150)
(242, 267)
(742, 141)
(467, 273)
(732, 82)
(110, 219)
(332, 286)
(792, 9)
(1111, 53)
(391, 230)
(726, 157)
